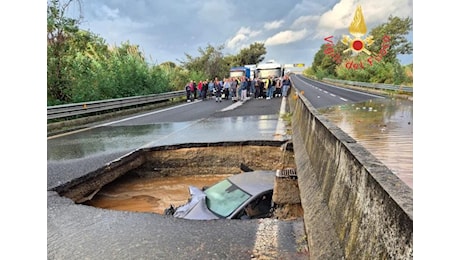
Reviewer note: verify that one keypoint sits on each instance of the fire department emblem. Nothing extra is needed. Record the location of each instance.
(358, 29)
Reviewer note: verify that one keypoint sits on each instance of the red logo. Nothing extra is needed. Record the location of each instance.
(357, 44)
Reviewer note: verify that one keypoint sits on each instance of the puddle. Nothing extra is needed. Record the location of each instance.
(107, 139)
(150, 194)
(384, 127)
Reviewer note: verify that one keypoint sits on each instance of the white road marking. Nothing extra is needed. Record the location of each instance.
(266, 244)
(232, 106)
(147, 114)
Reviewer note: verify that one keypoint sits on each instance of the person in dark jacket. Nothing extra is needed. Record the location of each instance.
(195, 90)
(218, 89)
(188, 92)
(286, 85)
(204, 92)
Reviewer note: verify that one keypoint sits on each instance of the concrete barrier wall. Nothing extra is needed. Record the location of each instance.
(354, 206)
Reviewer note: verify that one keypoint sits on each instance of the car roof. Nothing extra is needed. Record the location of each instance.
(254, 182)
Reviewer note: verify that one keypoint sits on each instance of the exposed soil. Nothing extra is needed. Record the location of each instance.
(164, 178)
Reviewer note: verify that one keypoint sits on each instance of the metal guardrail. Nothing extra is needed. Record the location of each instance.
(373, 85)
(75, 109)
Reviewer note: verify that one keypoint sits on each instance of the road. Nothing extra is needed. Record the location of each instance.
(74, 154)
(82, 232)
(321, 94)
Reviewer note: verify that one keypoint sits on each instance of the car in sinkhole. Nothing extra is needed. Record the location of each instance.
(245, 195)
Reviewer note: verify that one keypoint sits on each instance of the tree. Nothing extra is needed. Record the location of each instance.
(381, 67)
(211, 62)
(327, 59)
(251, 55)
(395, 30)
(131, 50)
(168, 64)
(59, 29)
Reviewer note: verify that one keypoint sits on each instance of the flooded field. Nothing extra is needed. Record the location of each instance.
(384, 127)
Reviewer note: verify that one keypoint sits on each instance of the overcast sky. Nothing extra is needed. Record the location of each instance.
(292, 30)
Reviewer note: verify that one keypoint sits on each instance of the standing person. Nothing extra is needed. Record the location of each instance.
(244, 89)
(270, 87)
(233, 86)
(256, 88)
(286, 85)
(238, 88)
(194, 90)
(226, 88)
(218, 90)
(263, 92)
(188, 92)
(200, 88)
(204, 91)
(278, 86)
(251, 89)
(211, 88)
(266, 86)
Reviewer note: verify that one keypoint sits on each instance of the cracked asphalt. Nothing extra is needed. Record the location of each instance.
(77, 231)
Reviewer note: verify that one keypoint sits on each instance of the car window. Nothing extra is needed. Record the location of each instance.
(259, 207)
(224, 198)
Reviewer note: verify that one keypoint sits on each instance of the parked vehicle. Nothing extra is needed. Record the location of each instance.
(248, 70)
(238, 72)
(252, 70)
(270, 69)
(245, 195)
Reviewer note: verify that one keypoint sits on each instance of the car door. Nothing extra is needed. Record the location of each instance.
(258, 207)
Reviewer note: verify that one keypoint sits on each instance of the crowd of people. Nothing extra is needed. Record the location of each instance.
(237, 89)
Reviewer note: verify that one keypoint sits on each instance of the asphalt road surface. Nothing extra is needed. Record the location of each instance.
(77, 231)
(321, 94)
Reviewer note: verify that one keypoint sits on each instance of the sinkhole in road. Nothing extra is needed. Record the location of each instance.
(152, 179)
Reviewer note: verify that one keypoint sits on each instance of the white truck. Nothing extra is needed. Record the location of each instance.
(270, 68)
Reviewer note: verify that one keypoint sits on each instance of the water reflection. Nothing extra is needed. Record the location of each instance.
(107, 139)
(125, 138)
(384, 127)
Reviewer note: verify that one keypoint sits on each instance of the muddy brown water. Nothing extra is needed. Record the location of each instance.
(150, 194)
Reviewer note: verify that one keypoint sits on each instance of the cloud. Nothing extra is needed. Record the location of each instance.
(168, 29)
(339, 17)
(242, 38)
(273, 25)
(375, 12)
(244, 30)
(109, 13)
(286, 37)
(306, 21)
(236, 40)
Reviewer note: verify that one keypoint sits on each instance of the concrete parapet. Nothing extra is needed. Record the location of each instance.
(354, 206)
